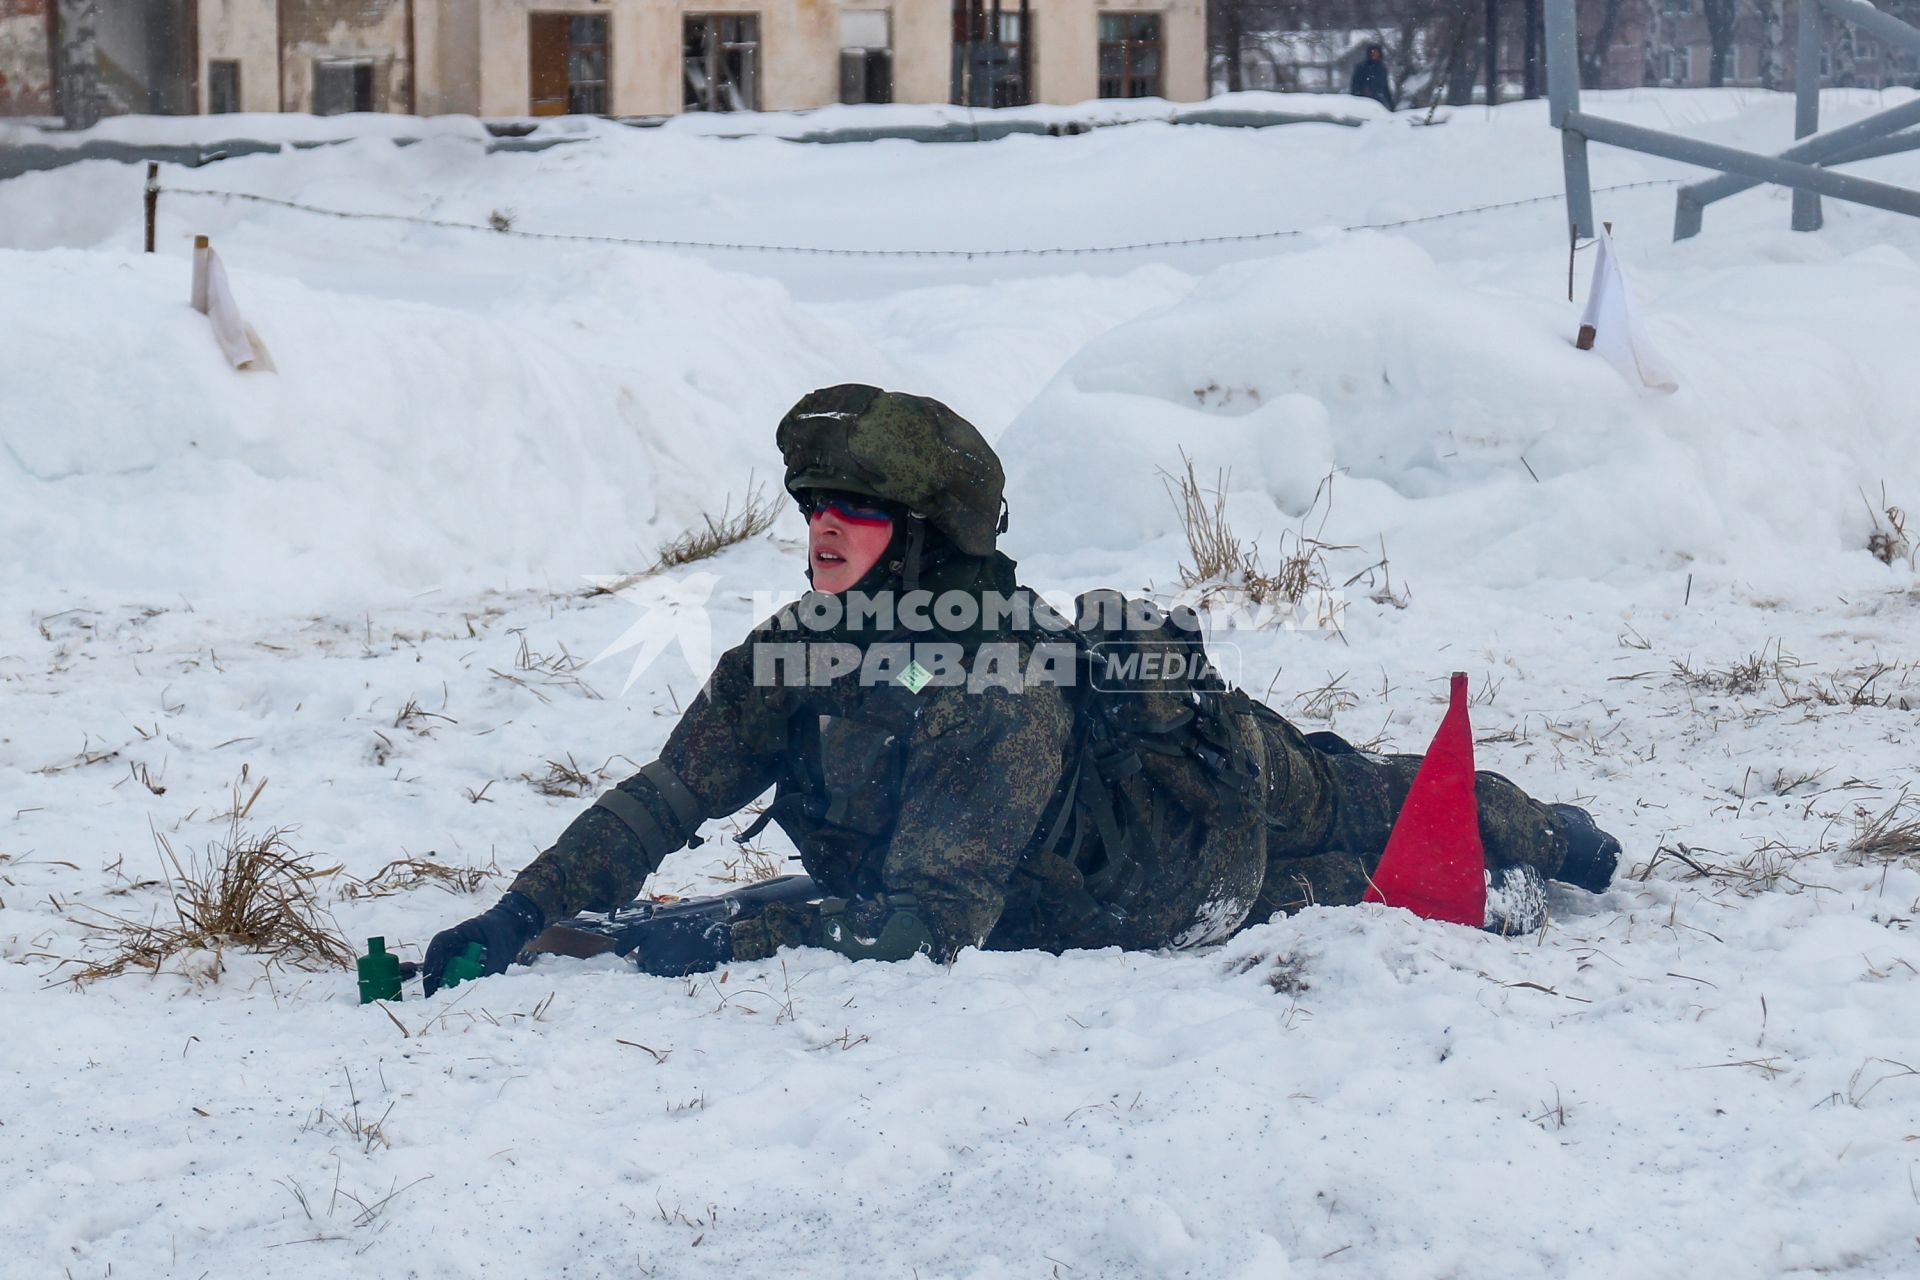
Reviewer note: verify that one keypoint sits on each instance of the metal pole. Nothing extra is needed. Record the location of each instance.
(997, 67)
(1493, 53)
(1896, 145)
(1839, 146)
(1530, 63)
(1786, 173)
(1563, 104)
(1026, 54)
(1806, 112)
(1876, 21)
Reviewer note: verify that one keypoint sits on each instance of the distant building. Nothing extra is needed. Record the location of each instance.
(1665, 43)
(1649, 43)
(606, 57)
(26, 58)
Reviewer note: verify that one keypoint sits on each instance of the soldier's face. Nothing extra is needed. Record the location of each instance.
(845, 540)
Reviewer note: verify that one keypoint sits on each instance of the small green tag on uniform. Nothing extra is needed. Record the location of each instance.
(915, 677)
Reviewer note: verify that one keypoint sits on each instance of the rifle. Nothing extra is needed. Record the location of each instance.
(665, 937)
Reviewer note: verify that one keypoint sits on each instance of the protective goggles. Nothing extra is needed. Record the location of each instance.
(850, 508)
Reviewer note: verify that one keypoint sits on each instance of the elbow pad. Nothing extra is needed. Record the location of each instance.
(641, 818)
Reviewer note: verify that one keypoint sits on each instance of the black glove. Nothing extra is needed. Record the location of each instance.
(681, 946)
(501, 930)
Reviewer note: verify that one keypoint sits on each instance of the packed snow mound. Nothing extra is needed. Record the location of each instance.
(1462, 424)
(400, 447)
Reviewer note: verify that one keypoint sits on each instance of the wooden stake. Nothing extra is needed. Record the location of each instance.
(1587, 333)
(153, 200)
(202, 252)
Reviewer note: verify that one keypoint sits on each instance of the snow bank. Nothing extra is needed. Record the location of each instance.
(1430, 366)
(401, 446)
(1466, 428)
(259, 126)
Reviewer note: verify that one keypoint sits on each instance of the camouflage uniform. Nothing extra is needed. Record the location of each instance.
(975, 774)
(925, 811)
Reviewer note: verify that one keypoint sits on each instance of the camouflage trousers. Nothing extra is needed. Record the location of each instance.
(1336, 806)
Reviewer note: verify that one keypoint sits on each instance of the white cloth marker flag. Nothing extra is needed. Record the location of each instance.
(1611, 325)
(213, 298)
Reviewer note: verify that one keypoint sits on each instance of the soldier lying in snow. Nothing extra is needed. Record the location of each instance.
(950, 769)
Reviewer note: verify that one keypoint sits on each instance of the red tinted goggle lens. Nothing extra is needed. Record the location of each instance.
(847, 509)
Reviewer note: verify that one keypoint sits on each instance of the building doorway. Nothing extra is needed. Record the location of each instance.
(721, 61)
(569, 64)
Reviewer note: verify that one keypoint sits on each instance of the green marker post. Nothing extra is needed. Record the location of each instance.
(379, 973)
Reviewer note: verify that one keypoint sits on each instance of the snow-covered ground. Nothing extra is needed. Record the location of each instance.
(357, 587)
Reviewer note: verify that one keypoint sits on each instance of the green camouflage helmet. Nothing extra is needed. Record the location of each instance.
(904, 449)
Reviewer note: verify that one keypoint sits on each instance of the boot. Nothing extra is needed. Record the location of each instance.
(1516, 901)
(1592, 854)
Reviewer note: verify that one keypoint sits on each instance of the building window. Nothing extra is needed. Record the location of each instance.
(866, 55)
(1130, 55)
(1010, 88)
(1680, 65)
(223, 87)
(992, 54)
(721, 61)
(341, 85)
(569, 64)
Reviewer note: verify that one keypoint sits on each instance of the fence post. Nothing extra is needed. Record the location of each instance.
(153, 200)
(1563, 100)
(1806, 105)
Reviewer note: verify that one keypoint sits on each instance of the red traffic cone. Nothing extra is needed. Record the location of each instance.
(1434, 865)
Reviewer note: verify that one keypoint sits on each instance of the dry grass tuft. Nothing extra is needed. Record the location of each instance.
(1889, 541)
(1868, 684)
(715, 534)
(1750, 674)
(537, 672)
(404, 875)
(1892, 835)
(565, 781)
(1288, 976)
(1328, 701)
(1286, 973)
(367, 1134)
(414, 717)
(254, 892)
(1221, 562)
(1764, 868)
(751, 867)
(1864, 686)
(755, 517)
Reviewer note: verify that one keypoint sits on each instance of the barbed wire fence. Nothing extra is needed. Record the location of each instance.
(502, 228)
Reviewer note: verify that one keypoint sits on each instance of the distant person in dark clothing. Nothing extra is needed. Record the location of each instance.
(1370, 78)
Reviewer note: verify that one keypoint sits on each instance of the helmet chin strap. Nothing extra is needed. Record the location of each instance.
(910, 563)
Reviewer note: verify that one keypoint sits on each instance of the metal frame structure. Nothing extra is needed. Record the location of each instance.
(1805, 166)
